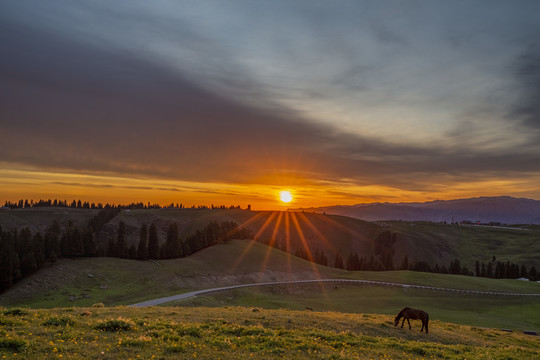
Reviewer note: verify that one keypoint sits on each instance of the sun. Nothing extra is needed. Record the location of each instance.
(285, 196)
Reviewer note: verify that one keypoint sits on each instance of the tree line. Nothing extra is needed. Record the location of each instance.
(383, 255)
(78, 204)
(148, 246)
(23, 252)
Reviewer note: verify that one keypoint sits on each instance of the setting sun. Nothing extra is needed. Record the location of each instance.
(285, 196)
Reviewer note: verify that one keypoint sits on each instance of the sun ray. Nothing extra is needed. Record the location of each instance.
(272, 241)
(288, 239)
(317, 232)
(304, 242)
(330, 221)
(255, 239)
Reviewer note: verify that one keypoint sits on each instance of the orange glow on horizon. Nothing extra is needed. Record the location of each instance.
(32, 184)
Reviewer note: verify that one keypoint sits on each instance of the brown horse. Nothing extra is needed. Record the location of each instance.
(408, 313)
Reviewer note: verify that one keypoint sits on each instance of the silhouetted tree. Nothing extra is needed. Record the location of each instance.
(153, 243)
(338, 261)
(121, 245)
(533, 275)
(142, 248)
(172, 247)
(405, 263)
(89, 242)
(353, 262)
(132, 252)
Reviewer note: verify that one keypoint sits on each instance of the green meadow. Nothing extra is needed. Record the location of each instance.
(243, 333)
(50, 315)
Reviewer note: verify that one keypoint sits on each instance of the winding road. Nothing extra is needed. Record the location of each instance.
(191, 294)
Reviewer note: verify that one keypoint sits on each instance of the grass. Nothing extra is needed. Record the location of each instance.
(246, 333)
(518, 313)
(446, 242)
(427, 241)
(123, 282)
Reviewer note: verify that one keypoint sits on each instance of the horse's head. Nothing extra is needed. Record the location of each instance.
(398, 316)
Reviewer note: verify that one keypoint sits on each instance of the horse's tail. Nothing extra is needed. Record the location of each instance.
(427, 321)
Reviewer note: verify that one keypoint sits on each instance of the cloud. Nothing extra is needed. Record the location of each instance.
(84, 102)
(527, 73)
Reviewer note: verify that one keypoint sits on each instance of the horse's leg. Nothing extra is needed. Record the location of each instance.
(402, 323)
(423, 324)
(409, 322)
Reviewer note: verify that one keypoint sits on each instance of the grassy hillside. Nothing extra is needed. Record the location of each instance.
(83, 282)
(434, 243)
(422, 241)
(39, 218)
(509, 312)
(243, 333)
(446, 242)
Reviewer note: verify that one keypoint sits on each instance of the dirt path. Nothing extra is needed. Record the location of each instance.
(191, 294)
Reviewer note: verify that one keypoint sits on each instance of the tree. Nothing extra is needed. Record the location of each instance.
(489, 270)
(353, 262)
(384, 248)
(27, 257)
(121, 246)
(338, 261)
(153, 243)
(455, 267)
(142, 248)
(132, 252)
(532, 274)
(320, 258)
(89, 242)
(111, 248)
(52, 241)
(523, 272)
(405, 263)
(172, 247)
(9, 260)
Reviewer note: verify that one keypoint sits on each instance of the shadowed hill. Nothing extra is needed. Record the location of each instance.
(503, 209)
(308, 234)
(86, 281)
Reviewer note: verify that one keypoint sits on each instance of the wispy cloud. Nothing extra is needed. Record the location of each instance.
(399, 95)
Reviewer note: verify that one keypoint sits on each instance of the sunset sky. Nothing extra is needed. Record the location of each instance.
(231, 102)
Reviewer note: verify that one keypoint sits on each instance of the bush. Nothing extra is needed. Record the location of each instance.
(115, 325)
(16, 312)
(176, 348)
(15, 345)
(58, 321)
(190, 331)
(98, 305)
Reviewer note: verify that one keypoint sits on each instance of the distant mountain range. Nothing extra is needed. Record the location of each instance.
(502, 209)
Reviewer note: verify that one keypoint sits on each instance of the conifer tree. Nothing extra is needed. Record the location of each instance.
(153, 243)
(121, 246)
(142, 248)
(338, 261)
(172, 247)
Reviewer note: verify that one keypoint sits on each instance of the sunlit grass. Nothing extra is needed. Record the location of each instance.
(243, 333)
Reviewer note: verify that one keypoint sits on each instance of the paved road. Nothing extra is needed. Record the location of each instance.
(364, 282)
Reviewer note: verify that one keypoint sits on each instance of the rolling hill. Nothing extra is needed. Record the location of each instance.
(87, 281)
(306, 233)
(232, 333)
(503, 209)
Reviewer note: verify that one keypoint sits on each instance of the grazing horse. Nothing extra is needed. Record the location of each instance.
(408, 313)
